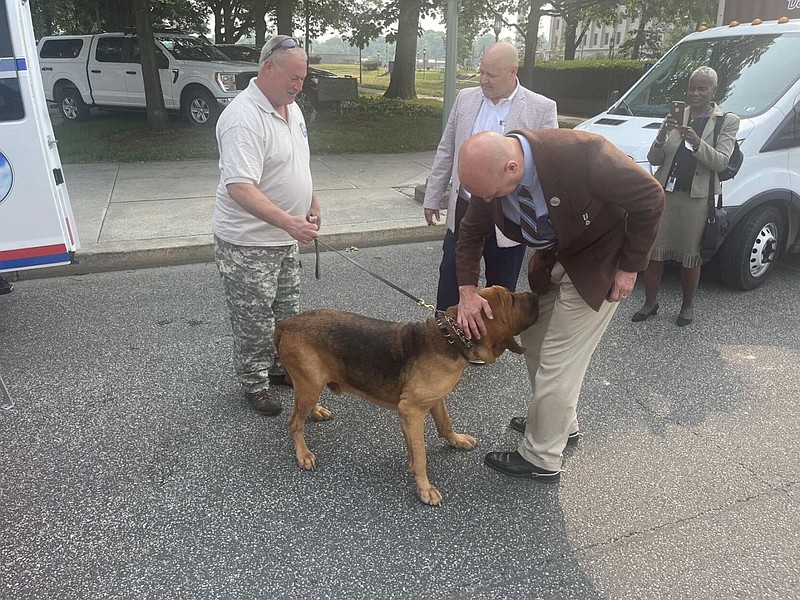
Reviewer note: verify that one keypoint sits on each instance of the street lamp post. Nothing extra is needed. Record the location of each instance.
(424, 61)
(498, 27)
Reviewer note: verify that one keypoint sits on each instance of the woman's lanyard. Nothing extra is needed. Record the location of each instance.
(672, 179)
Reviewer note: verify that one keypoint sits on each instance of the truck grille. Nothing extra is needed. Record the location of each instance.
(243, 79)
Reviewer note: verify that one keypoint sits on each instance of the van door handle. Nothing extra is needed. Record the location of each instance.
(130, 72)
(95, 70)
(174, 75)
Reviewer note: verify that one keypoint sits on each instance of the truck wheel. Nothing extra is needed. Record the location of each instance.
(71, 106)
(202, 108)
(748, 254)
(303, 100)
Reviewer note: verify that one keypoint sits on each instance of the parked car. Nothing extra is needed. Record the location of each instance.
(240, 52)
(104, 70)
(322, 90)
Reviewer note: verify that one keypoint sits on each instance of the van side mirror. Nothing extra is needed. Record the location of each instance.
(612, 98)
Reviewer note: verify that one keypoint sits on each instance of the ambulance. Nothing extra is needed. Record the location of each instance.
(37, 227)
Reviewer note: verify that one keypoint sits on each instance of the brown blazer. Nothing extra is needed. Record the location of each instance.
(604, 207)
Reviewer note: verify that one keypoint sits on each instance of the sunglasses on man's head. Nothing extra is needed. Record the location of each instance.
(289, 42)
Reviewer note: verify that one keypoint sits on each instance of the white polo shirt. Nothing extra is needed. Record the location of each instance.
(257, 146)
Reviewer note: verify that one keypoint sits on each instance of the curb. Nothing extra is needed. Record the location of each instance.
(99, 258)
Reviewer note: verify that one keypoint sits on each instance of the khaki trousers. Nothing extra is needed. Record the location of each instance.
(558, 348)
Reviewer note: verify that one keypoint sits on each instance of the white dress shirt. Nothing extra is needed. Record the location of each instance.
(493, 117)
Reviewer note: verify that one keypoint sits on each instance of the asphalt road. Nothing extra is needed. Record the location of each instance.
(131, 467)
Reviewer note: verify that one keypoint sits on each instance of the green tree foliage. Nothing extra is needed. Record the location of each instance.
(681, 14)
(54, 17)
(364, 23)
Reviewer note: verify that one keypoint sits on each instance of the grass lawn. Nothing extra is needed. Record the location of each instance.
(372, 125)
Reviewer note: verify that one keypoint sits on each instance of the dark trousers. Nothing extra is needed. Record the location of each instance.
(501, 265)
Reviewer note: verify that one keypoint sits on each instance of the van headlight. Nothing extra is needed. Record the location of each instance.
(226, 81)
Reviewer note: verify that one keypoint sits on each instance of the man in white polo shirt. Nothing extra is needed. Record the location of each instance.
(265, 205)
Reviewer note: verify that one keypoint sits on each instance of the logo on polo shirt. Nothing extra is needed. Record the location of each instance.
(303, 129)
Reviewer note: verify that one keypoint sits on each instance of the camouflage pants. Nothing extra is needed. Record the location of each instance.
(262, 287)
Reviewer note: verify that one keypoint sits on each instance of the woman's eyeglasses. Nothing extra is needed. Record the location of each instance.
(289, 42)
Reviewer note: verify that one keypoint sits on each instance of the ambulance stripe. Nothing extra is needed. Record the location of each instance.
(36, 261)
(35, 252)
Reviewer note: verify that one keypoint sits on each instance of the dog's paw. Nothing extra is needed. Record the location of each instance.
(307, 461)
(430, 496)
(320, 413)
(463, 441)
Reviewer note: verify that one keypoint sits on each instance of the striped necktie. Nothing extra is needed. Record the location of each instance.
(536, 231)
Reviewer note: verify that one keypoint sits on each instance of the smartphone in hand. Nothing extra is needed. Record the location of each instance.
(679, 111)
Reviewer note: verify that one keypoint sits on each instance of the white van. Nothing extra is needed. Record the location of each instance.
(37, 227)
(759, 80)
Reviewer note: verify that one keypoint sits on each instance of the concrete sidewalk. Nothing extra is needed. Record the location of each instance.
(132, 215)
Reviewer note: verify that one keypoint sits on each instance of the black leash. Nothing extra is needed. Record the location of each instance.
(438, 314)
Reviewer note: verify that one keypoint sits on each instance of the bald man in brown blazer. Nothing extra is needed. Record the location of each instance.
(591, 214)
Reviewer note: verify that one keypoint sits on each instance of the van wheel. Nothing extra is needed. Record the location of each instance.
(202, 108)
(71, 106)
(748, 254)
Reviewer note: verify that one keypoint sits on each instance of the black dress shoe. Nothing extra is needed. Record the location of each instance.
(282, 379)
(641, 316)
(263, 402)
(519, 423)
(512, 464)
(683, 321)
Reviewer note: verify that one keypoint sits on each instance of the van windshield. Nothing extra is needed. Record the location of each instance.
(189, 48)
(753, 71)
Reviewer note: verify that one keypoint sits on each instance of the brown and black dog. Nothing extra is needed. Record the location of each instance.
(408, 367)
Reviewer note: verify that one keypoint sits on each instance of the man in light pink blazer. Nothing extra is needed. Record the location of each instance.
(500, 104)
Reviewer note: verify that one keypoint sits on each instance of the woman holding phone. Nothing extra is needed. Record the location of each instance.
(687, 158)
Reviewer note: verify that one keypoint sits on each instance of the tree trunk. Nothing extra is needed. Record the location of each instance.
(403, 79)
(230, 25)
(218, 24)
(283, 17)
(638, 41)
(570, 28)
(154, 96)
(308, 29)
(118, 15)
(259, 18)
(525, 74)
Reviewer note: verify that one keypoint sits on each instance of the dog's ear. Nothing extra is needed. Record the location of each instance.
(511, 344)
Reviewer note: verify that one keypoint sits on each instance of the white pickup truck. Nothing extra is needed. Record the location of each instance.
(104, 70)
